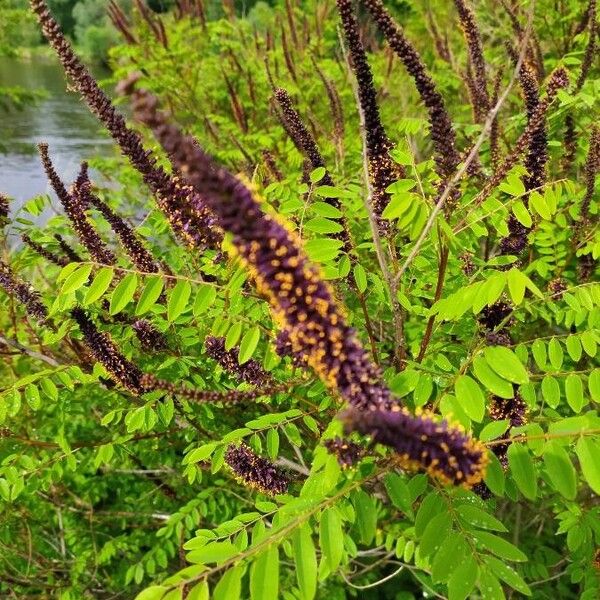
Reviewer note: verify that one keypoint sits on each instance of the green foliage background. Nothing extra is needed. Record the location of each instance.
(104, 495)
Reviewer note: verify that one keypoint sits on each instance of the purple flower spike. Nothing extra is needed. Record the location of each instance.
(179, 203)
(256, 472)
(251, 372)
(302, 303)
(443, 450)
(106, 353)
(348, 453)
(23, 292)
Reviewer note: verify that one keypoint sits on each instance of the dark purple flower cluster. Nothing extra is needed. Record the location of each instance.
(591, 48)
(557, 287)
(67, 250)
(440, 126)
(184, 209)
(251, 371)
(256, 472)
(271, 165)
(23, 292)
(559, 79)
(468, 268)
(304, 307)
(491, 316)
(348, 453)
(106, 353)
(586, 268)
(476, 58)
(383, 170)
(306, 144)
(61, 261)
(537, 153)
(151, 339)
(592, 166)
(443, 450)
(75, 210)
(516, 241)
(133, 246)
(4, 208)
(498, 338)
(537, 148)
(302, 303)
(513, 409)
(301, 136)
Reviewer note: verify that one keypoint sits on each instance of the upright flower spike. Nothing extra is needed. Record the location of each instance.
(75, 210)
(442, 450)
(536, 158)
(476, 58)
(22, 292)
(256, 472)
(592, 166)
(304, 308)
(559, 79)
(133, 246)
(107, 354)
(383, 170)
(251, 372)
(61, 261)
(301, 136)
(440, 125)
(178, 202)
(306, 144)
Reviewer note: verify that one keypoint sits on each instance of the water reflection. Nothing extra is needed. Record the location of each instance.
(60, 119)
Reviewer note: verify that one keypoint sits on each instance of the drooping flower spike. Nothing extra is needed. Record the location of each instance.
(67, 250)
(256, 472)
(440, 126)
(178, 202)
(61, 261)
(251, 371)
(108, 355)
(150, 382)
(442, 450)
(22, 292)
(475, 48)
(133, 246)
(383, 170)
(302, 303)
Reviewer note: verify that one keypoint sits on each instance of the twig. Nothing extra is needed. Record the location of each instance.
(24, 350)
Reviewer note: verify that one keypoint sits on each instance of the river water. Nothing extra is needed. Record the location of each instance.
(60, 119)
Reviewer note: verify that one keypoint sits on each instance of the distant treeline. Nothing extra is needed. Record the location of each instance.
(85, 21)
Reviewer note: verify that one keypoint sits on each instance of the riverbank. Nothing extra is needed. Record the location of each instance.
(59, 118)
